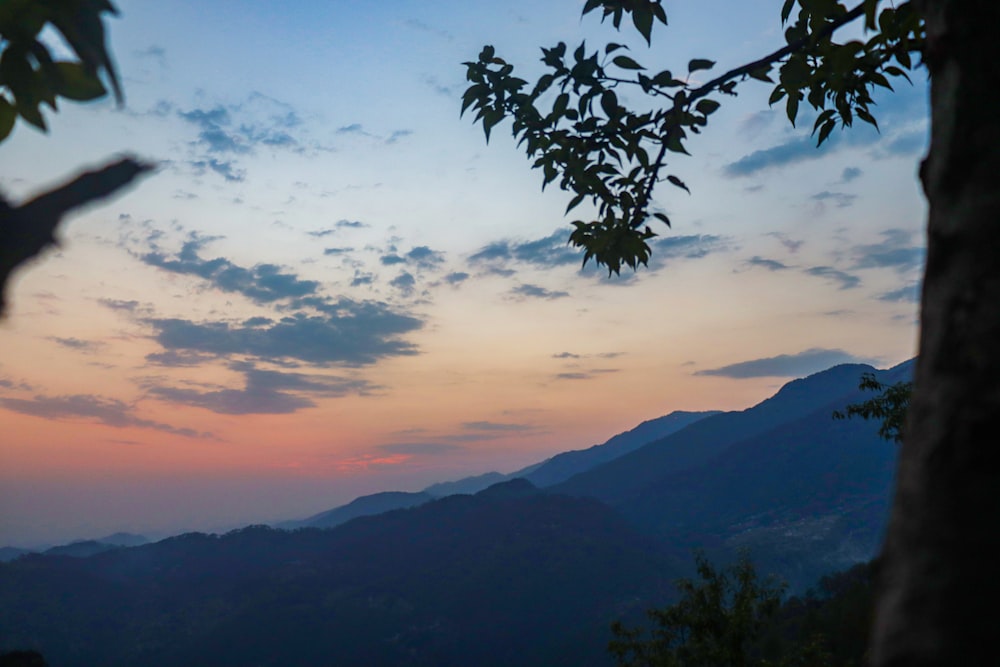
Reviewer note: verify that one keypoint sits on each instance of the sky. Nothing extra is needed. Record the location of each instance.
(333, 286)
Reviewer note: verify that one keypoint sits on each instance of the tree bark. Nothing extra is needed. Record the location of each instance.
(940, 588)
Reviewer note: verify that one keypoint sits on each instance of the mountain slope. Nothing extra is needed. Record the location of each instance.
(563, 466)
(618, 481)
(376, 503)
(506, 577)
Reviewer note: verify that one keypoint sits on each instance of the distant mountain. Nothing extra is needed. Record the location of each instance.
(508, 576)
(376, 503)
(807, 494)
(124, 539)
(625, 477)
(545, 473)
(563, 466)
(10, 553)
(80, 549)
(466, 484)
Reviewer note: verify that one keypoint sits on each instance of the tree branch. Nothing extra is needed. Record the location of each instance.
(27, 230)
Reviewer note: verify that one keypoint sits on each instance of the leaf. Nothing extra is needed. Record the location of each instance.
(825, 132)
(678, 182)
(8, 114)
(662, 217)
(786, 10)
(609, 102)
(76, 83)
(776, 96)
(707, 106)
(612, 46)
(626, 63)
(792, 106)
(642, 18)
(700, 64)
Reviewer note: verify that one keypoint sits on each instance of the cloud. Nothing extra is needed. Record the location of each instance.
(404, 282)
(585, 375)
(529, 291)
(263, 283)
(787, 365)
(361, 278)
(792, 245)
(353, 128)
(840, 199)
(424, 257)
(496, 426)
(340, 224)
(337, 251)
(769, 264)
(895, 251)
(790, 152)
(849, 174)
(347, 332)
(367, 462)
(264, 392)
(118, 304)
(846, 280)
(906, 144)
(456, 277)
(420, 448)
(389, 260)
(397, 135)
(907, 294)
(565, 355)
(226, 169)
(109, 412)
(262, 121)
(549, 251)
(86, 346)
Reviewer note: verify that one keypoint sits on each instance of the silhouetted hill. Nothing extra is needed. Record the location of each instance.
(81, 549)
(563, 466)
(620, 480)
(499, 578)
(10, 553)
(124, 539)
(473, 484)
(376, 503)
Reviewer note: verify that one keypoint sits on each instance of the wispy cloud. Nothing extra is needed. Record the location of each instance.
(346, 332)
(838, 199)
(529, 291)
(844, 279)
(107, 411)
(769, 264)
(85, 346)
(787, 365)
(896, 251)
(262, 283)
(264, 392)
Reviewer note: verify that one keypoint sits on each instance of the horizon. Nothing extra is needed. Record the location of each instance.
(322, 295)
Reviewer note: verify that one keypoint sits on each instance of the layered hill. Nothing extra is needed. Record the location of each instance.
(510, 576)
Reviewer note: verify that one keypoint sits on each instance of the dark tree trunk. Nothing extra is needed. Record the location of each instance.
(940, 587)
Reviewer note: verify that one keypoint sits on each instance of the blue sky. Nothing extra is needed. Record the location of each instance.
(333, 285)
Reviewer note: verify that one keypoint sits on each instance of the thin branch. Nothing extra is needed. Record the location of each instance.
(27, 230)
(769, 59)
(745, 70)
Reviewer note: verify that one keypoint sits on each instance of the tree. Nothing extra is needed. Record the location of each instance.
(716, 623)
(29, 78)
(889, 407)
(938, 583)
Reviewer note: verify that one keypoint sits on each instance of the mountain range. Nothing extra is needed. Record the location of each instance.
(530, 570)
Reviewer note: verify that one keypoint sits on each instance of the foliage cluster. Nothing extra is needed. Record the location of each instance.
(574, 126)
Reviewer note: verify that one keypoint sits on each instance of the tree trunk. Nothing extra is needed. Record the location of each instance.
(939, 582)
